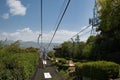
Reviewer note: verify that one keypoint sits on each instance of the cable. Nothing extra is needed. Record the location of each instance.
(40, 35)
(81, 31)
(59, 23)
(61, 11)
(41, 23)
(85, 33)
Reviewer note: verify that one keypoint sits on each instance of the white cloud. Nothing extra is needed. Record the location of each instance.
(25, 30)
(5, 16)
(27, 34)
(60, 36)
(16, 7)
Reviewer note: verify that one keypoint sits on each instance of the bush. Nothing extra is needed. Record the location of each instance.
(51, 54)
(16, 63)
(100, 70)
(17, 66)
(78, 70)
(61, 64)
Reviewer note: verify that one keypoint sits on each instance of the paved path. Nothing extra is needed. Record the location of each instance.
(49, 68)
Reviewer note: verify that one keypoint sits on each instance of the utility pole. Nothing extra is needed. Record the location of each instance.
(95, 20)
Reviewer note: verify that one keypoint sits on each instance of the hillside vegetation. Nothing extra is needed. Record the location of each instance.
(17, 63)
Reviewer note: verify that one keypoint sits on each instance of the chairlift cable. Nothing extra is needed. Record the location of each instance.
(81, 31)
(61, 10)
(59, 23)
(41, 23)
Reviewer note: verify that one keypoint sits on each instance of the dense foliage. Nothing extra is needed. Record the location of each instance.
(61, 65)
(17, 63)
(107, 43)
(100, 70)
(70, 50)
(51, 54)
(76, 50)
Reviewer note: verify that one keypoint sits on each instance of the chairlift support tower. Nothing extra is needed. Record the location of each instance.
(95, 20)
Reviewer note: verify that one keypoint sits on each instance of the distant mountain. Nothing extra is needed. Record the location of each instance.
(29, 44)
(33, 44)
(8, 42)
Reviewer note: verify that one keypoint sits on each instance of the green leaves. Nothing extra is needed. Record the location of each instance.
(51, 54)
(107, 43)
(100, 70)
(18, 66)
(16, 63)
(109, 15)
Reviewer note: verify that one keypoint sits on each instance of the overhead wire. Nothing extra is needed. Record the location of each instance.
(41, 22)
(61, 10)
(59, 23)
(41, 25)
(88, 25)
(81, 31)
(85, 33)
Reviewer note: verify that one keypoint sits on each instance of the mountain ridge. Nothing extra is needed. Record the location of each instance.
(26, 44)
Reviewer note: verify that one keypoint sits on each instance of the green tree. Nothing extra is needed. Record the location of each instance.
(51, 54)
(17, 66)
(13, 47)
(87, 50)
(107, 43)
(66, 49)
(110, 23)
(78, 50)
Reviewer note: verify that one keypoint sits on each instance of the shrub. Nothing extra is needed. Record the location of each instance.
(100, 70)
(51, 54)
(78, 70)
(17, 66)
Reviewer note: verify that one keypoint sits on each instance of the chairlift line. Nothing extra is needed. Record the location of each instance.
(85, 33)
(41, 22)
(92, 22)
(61, 10)
(81, 31)
(40, 35)
(59, 23)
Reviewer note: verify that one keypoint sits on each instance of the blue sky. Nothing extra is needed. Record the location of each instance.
(23, 16)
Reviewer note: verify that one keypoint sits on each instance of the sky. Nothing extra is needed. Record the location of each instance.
(20, 19)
